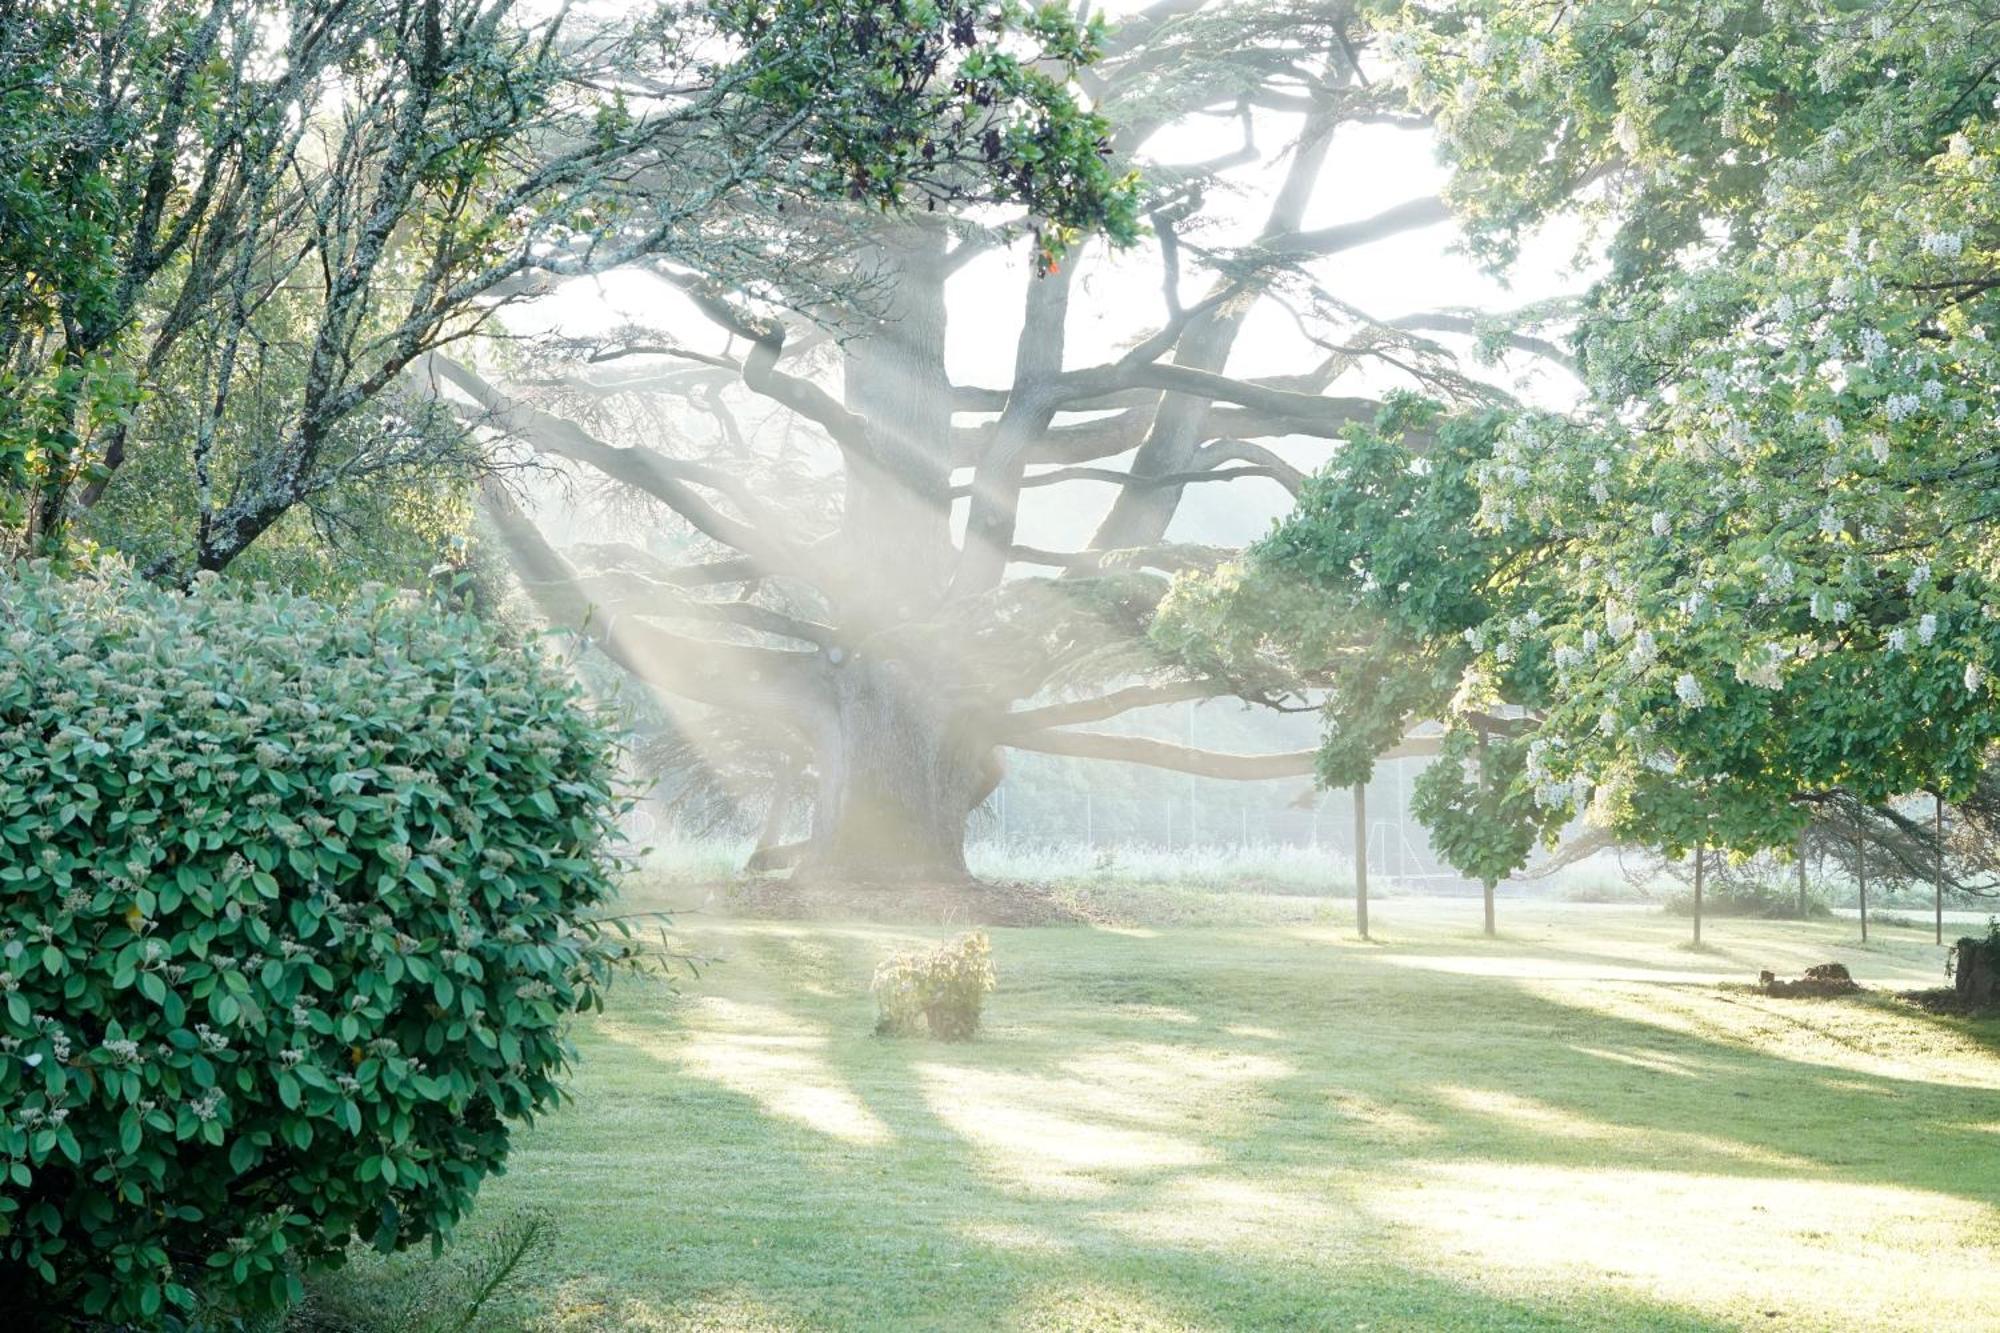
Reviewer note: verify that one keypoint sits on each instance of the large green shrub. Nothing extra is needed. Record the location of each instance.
(294, 905)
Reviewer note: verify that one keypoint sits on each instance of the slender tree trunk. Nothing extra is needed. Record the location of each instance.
(1361, 858)
(1486, 802)
(1861, 877)
(1937, 889)
(1802, 874)
(1699, 861)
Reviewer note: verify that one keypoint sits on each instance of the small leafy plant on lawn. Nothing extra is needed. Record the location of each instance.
(939, 990)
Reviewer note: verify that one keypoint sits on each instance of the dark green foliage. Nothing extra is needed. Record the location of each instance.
(295, 909)
(1976, 959)
(940, 990)
(944, 96)
(1479, 810)
(1378, 588)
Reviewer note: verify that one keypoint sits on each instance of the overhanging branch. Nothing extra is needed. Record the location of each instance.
(668, 480)
(1187, 759)
(1029, 720)
(769, 681)
(1410, 215)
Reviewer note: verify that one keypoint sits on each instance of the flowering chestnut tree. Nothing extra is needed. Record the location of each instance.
(1775, 514)
(1755, 569)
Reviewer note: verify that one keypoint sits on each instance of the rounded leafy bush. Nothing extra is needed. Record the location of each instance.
(295, 902)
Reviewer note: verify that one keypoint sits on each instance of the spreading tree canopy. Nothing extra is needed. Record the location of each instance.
(823, 558)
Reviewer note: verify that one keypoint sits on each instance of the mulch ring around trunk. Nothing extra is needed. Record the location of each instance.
(1947, 1002)
(1822, 981)
(967, 902)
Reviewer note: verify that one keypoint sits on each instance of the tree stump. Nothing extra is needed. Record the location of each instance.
(1821, 981)
(1977, 972)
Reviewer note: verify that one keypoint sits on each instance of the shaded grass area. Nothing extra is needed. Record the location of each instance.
(1279, 1127)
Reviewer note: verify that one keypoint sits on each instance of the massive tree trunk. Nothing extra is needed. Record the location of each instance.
(899, 766)
(898, 774)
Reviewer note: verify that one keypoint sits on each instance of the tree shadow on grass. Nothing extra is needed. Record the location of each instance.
(1044, 1172)
(1385, 1033)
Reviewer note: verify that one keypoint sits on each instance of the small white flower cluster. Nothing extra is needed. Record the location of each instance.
(1688, 690)
(1618, 622)
(1942, 244)
(1778, 579)
(121, 1052)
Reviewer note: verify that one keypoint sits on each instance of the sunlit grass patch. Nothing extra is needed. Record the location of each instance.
(1806, 1253)
(1277, 1127)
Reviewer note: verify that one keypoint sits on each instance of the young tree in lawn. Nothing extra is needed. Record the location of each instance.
(1378, 592)
(844, 565)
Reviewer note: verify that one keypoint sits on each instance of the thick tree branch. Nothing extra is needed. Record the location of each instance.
(632, 593)
(760, 373)
(1186, 759)
(1410, 215)
(1320, 411)
(1027, 720)
(1263, 461)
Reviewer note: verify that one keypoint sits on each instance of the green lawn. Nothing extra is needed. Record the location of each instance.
(1280, 1127)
